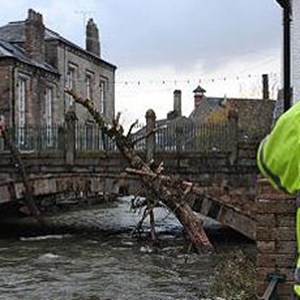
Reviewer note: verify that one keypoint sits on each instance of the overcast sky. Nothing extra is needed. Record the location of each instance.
(162, 45)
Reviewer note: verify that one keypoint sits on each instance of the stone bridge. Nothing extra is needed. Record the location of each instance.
(229, 191)
(226, 189)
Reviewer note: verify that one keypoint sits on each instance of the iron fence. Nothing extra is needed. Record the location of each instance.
(89, 137)
(194, 137)
(32, 138)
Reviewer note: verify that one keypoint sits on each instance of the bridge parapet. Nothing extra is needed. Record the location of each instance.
(275, 235)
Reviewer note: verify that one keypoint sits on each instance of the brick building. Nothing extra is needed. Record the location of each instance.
(36, 64)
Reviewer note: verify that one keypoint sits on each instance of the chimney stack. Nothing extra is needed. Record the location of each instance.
(92, 38)
(177, 102)
(35, 36)
(265, 80)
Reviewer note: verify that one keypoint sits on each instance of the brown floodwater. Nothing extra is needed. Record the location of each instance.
(90, 254)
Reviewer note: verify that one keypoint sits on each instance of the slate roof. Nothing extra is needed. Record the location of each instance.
(11, 50)
(15, 32)
(206, 106)
(255, 116)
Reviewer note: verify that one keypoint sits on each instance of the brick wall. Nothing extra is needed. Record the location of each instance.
(276, 246)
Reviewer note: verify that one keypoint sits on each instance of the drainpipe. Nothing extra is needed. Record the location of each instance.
(13, 97)
(287, 90)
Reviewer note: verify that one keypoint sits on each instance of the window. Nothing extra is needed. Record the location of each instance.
(71, 80)
(102, 107)
(48, 115)
(89, 134)
(89, 86)
(21, 110)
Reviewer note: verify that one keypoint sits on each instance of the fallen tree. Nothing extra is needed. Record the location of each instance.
(19, 165)
(170, 190)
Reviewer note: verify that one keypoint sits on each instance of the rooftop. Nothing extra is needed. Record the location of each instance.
(14, 32)
(11, 50)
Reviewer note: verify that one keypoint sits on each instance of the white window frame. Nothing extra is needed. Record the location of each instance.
(49, 115)
(71, 82)
(89, 80)
(103, 96)
(21, 108)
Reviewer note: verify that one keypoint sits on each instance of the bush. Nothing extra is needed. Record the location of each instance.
(235, 278)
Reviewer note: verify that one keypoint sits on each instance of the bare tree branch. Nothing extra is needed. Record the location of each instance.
(131, 128)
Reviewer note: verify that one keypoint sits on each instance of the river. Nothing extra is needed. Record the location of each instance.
(100, 260)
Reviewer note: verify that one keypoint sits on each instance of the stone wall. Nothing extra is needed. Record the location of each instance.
(255, 115)
(84, 64)
(215, 167)
(276, 246)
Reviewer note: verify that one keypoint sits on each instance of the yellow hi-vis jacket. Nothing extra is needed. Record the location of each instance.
(278, 156)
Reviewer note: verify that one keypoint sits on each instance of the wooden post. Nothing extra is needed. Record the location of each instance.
(70, 138)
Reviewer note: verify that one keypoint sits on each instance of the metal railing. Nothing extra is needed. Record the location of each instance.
(89, 137)
(192, 137)
(36, 138)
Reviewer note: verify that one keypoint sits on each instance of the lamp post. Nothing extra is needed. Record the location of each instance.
(287, 90)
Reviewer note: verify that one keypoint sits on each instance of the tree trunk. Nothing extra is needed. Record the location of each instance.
(19, 165)
(172, 193)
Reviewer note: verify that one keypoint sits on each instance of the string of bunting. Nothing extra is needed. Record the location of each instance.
(191, 81)
(202, 80)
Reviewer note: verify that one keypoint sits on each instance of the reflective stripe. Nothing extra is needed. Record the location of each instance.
(268, 172)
